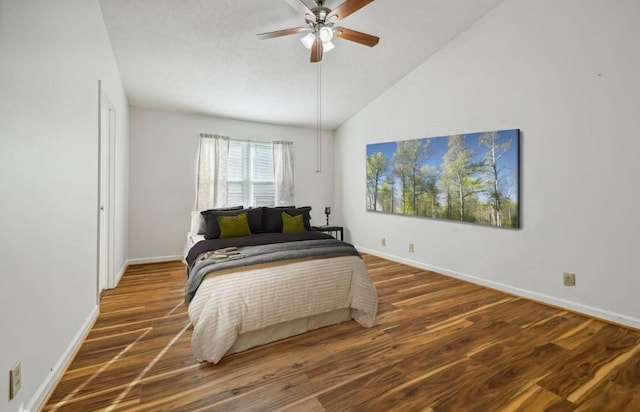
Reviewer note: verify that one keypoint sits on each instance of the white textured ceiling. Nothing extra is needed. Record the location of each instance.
(203, 56)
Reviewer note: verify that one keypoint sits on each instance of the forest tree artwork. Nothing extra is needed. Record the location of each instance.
(467, 178)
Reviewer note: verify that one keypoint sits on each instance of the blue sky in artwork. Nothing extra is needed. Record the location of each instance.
(508, 163)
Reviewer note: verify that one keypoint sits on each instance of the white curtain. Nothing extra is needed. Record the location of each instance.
(283, 172)
(213, 159)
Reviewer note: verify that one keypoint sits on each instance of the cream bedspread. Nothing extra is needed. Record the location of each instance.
(229, 305)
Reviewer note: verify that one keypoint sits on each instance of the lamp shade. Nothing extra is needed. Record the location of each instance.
(308, 40)
(325, 34)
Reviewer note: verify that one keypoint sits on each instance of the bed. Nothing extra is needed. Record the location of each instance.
(270, 279)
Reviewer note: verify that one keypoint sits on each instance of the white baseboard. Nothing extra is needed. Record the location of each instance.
(39, 398)
(157, 259)
(591, 311)
(121, 273)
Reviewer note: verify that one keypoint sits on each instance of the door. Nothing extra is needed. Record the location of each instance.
(106, 201)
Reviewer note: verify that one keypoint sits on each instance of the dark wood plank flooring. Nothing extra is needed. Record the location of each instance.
(439, 344)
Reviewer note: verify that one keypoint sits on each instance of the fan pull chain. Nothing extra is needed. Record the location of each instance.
(319, 119)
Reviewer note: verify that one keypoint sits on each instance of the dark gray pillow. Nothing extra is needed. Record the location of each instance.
(255, 215)
(213, 229)
(272, 217)
(202, 224)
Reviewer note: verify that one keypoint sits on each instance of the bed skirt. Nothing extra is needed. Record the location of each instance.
(287, 329)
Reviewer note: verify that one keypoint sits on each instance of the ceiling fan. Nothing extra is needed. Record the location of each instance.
(320, 26)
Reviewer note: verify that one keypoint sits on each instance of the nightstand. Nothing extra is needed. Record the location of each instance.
(330, 229)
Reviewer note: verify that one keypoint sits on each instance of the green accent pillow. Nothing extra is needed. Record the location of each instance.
(292, 224)
(233, 226)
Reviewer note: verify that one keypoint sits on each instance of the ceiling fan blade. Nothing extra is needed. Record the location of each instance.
(280, 33)
(356, 36)
(316, 50)
(301, 8)
(346, 9)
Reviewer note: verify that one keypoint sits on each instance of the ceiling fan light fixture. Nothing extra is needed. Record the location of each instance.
(308, 40)
(325, 34)
(327, 45)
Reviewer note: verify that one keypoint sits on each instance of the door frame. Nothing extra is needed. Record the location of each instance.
(105, 277)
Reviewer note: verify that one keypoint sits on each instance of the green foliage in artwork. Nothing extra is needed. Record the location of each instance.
(376, 166)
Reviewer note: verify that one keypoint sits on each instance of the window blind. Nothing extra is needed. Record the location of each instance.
(250, 176)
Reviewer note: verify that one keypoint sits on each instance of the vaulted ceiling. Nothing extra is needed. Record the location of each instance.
(203, 56)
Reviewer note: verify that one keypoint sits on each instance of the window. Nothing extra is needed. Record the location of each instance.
(250, 180)
(233, 172)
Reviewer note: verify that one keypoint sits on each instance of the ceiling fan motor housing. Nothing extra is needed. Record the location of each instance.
(320, 14)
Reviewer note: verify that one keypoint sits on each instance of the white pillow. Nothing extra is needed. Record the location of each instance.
(198, 225)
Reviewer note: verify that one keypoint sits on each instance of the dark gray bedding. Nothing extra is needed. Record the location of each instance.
(257, 249)
(254, 240)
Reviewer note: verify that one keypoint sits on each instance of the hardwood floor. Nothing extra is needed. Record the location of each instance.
(439, 344)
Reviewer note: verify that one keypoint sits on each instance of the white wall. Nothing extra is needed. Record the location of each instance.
(52, 54)
(164, 149)
(566, 74)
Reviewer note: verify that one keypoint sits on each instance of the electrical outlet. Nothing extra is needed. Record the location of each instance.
(569, 279)
(411, 248)
(383, 242)
(15, 380)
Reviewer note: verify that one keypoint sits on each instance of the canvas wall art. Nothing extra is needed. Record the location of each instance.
(471, 177)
